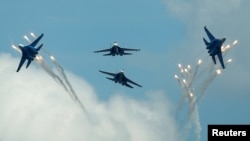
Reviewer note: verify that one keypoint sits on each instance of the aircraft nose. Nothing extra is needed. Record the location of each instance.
(20, 46)
(223, 39)
(115, 44)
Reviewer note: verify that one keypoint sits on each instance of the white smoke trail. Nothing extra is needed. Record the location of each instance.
(49, 71)
(196, 122)
(43, 64)
(71, 91)
(187, 80)
(63, 80)
(212, 74)
(188, 93)
(192, 119)
(183, 97)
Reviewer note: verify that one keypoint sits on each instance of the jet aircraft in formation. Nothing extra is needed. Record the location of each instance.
(120, 78)
(29, 52)
(214, 47)
(116, 50)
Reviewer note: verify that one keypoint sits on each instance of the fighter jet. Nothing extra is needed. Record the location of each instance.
(120, 78)
(116, 50)
(214, 47)
(29, 52)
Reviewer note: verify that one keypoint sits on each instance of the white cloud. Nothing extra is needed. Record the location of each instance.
(202, 11)
(34, 107)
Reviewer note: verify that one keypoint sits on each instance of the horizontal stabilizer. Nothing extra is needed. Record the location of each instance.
(107, 54)
(28, 63)
(39, 47)
(213, 57)
(205, 41)
(127, 53)
(110, 79)
(126, 84)
(221, 60)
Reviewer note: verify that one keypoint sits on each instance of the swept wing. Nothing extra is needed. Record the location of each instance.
(130, 49)
(33, 44)
(126, 84)
(21, 63)
(219, 54)
(108, 73)
(209, 34)
(104, 50)
(130, 81)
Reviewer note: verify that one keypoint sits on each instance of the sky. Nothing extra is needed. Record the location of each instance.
(167, 32)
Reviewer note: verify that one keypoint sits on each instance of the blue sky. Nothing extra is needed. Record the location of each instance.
(168, 32)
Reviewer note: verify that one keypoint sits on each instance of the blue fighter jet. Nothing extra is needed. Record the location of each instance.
(214, 47)
(120, 78)
(29, 52)
(116, 50)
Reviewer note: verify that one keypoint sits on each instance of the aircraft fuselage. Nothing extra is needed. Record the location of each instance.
(120, 78)
(215, 46)
(116, 50)
(29, 52)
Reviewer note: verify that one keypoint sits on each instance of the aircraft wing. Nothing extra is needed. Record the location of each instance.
(210, 36)
(110, 79)
(213, 58)
(128, 80)
(104, 50)
(108, 73)
(36, 41)
(107, 54)
(126, 84)
(130, 49)
(21, 63)
(219, 54)
(127, 53)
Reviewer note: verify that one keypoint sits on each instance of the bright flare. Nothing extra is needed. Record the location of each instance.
(199, 61)
(16, 48)
(32, 34)
(223, 49)
(176, 77)
(26, 38)
(235, 42)
(218, 71)
(184, 81)
(191, 94)
(179, 65)
(229, 60)
(39, 58)
(52, 58)
(13, 46)
(182, 70)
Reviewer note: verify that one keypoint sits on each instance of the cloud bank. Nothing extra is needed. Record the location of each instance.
(34, 107)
